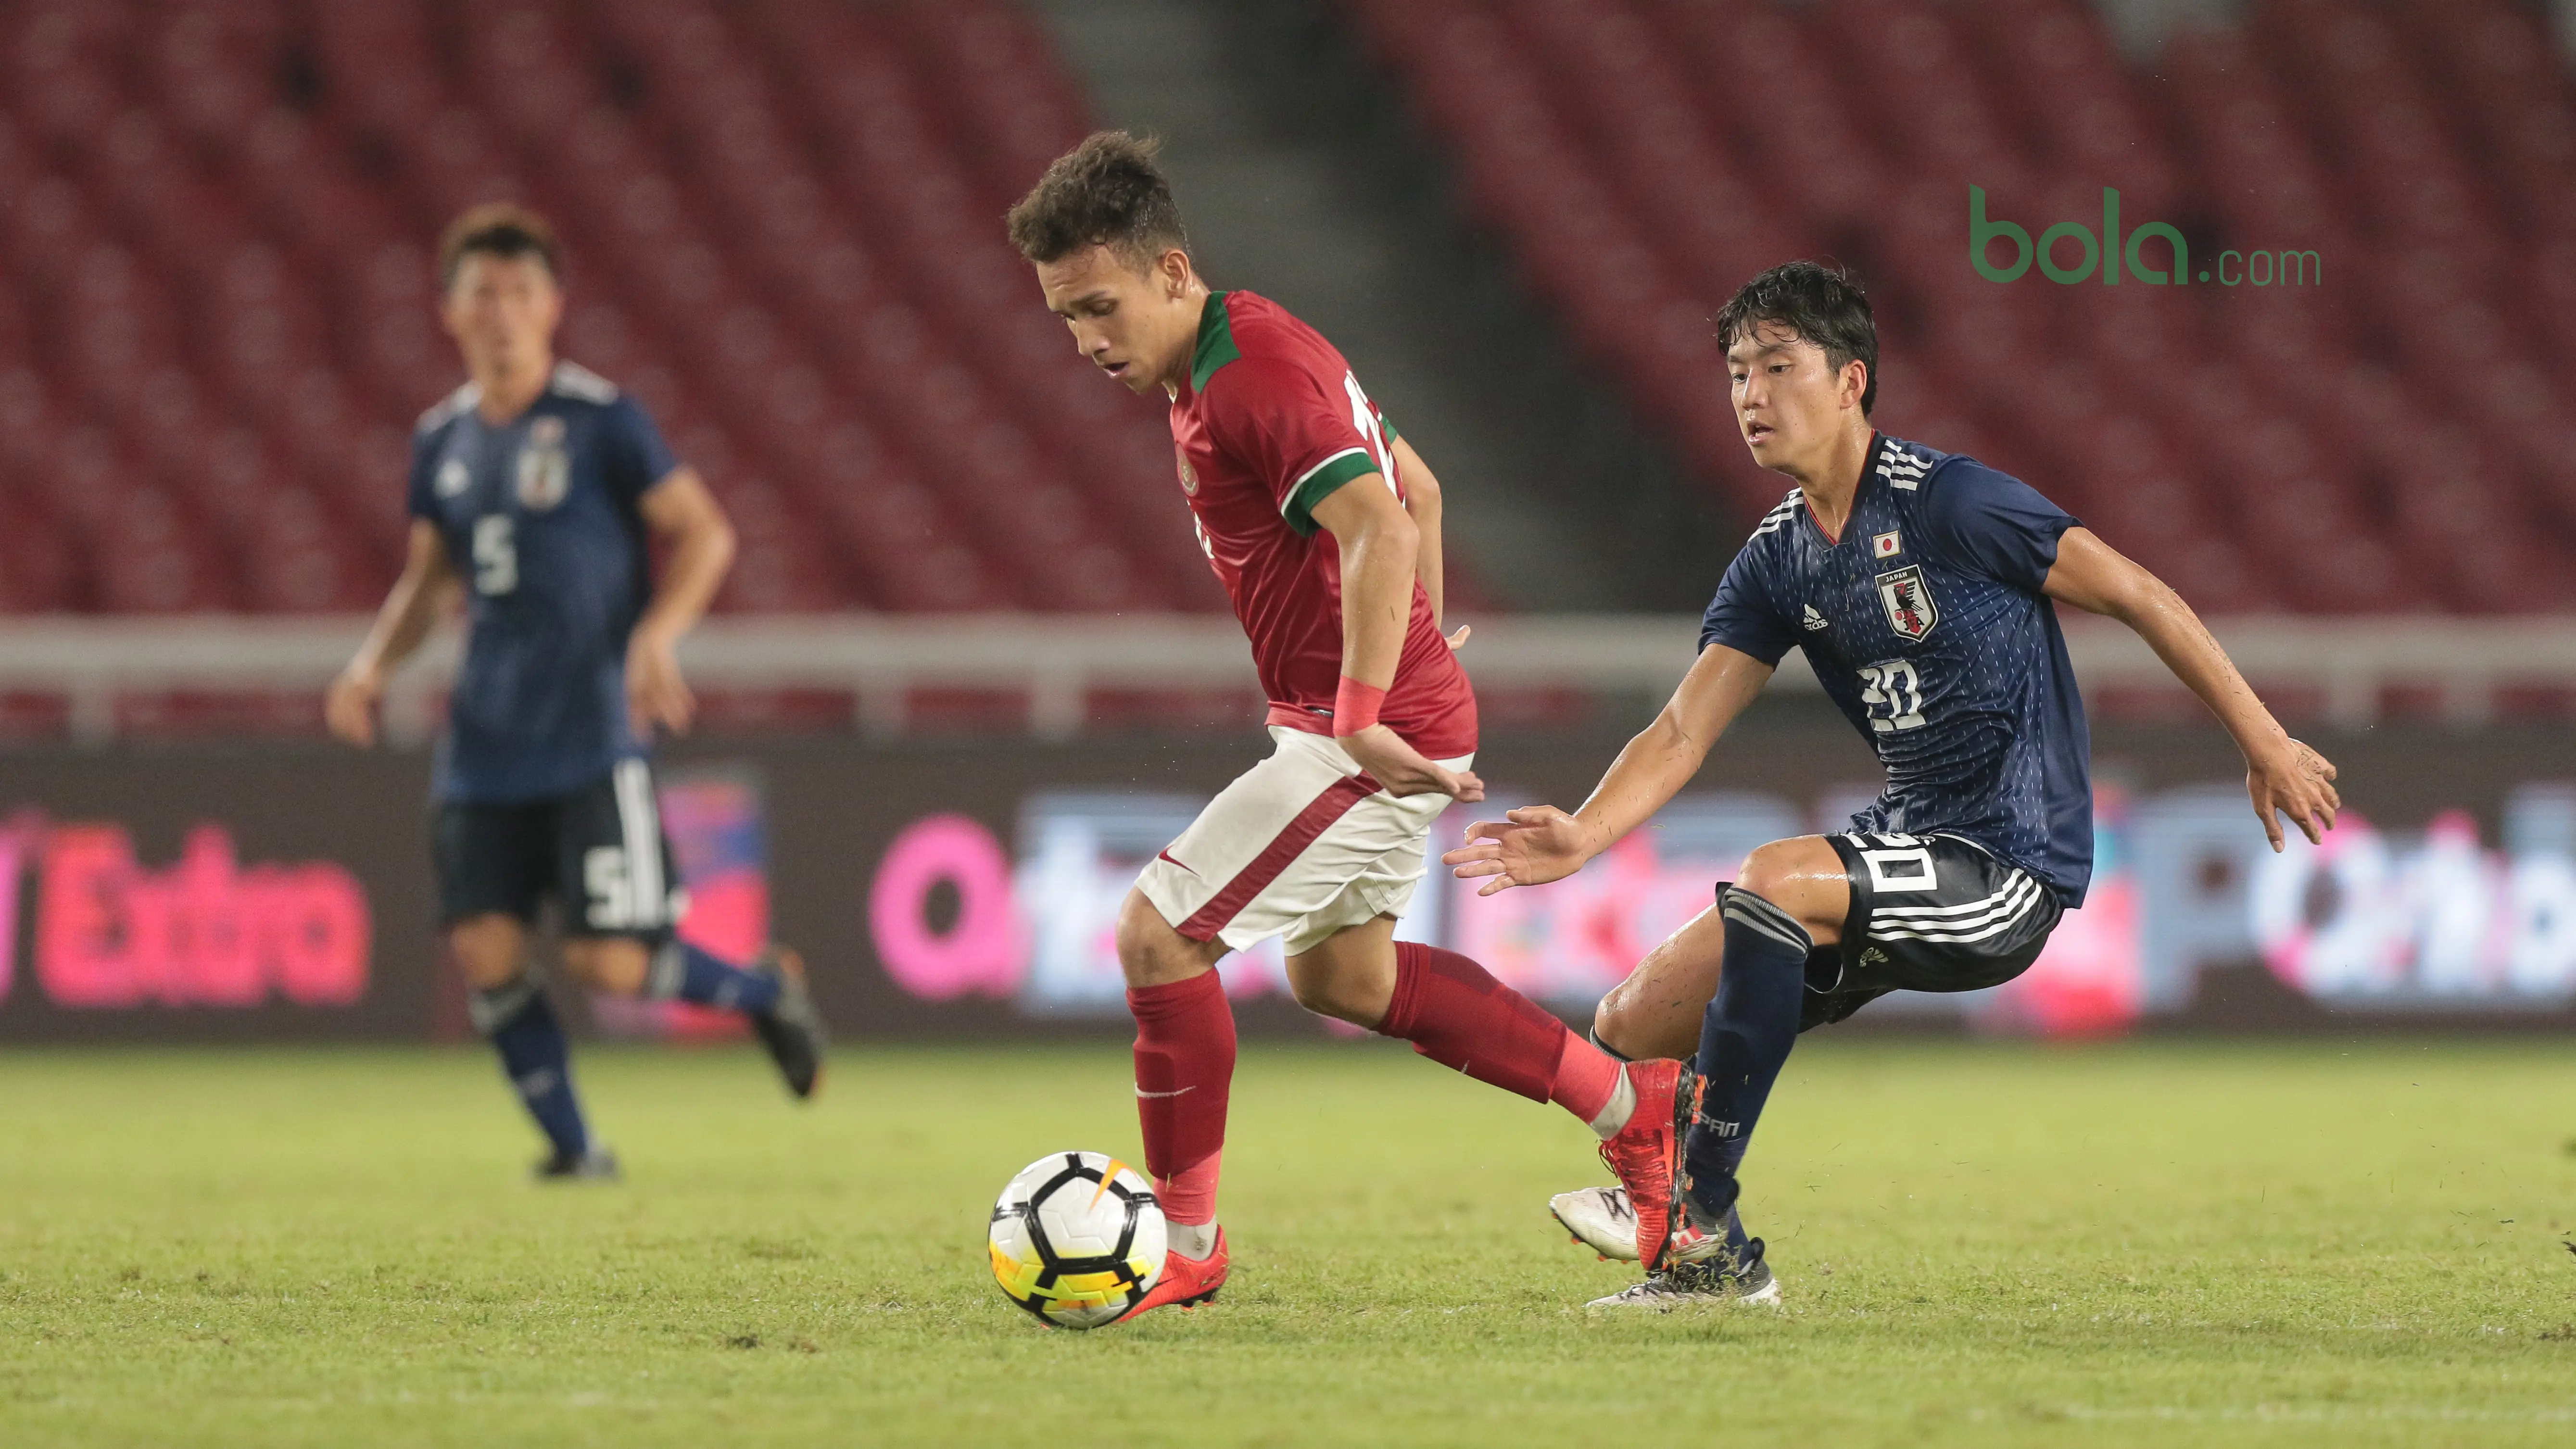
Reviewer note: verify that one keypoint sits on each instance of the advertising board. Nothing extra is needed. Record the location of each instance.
(968, 888)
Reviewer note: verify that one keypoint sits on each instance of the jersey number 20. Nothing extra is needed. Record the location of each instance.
(1893, 694)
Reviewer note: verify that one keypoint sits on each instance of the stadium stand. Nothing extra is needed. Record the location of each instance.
(781, 218)
(2397, 439)
(782, 222)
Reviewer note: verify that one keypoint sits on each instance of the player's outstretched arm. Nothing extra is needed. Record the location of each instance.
(2282, 775)
(1422, 500)
(1379, 546)
(1541, 843)
(680, 510)
(411, 606)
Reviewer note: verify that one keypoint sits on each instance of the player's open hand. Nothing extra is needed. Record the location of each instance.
(1402, 770)
(655, 692)
(1529, 846)
(2296, 781)
(349, 706)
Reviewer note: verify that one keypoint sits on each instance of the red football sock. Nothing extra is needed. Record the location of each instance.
(1184, 1068)
(1585, 1082)
(1457, 1014)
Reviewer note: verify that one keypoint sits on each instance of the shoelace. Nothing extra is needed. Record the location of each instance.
(1723, 1271)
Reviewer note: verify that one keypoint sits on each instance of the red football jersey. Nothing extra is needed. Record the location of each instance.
(1270, 421)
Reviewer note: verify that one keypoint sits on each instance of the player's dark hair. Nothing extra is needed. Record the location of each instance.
(1817, 304)
(1105, 192)
(497, 229)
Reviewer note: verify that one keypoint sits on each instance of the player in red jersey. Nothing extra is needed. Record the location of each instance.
(1324, 527)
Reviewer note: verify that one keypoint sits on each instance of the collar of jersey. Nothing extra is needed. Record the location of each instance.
(1868, 466)
(1216, 342)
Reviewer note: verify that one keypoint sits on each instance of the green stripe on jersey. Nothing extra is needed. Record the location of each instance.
(1216, 342)
(1312, 489)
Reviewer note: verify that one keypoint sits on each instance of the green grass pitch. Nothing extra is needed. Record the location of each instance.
(2334, 1244)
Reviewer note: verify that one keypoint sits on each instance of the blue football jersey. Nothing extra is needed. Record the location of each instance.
(1926, 624)
(542, 522)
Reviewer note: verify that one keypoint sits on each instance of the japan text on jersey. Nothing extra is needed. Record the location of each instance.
(1925, 621)
(541, 519)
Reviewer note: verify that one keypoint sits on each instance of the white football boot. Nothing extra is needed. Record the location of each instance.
(1600, 1219)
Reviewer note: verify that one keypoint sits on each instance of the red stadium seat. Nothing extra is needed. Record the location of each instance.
(222, 311)
(2319, 126)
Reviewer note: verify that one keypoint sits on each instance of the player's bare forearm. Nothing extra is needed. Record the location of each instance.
(1540, 843)
(1422, 501)
(2094, 577)
(1667, 753)
(2283, 777)
(681, 509)
(411, 606)
(1379, 545)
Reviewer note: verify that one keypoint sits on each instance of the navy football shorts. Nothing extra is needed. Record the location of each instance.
(1928, 913)
(598, 852)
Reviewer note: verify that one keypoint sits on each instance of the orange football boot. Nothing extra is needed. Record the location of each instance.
(1643, 1151)
(1186, 1282)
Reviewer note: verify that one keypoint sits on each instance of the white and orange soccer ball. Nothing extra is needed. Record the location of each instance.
(1077, 1239)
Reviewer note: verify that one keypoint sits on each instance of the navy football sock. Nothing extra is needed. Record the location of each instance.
(1744, 1040)
(537, 1059)
(686, 973)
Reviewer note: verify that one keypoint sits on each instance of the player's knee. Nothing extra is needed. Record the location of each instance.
(1332, 994)
(1803, 877)
(1614, 1026)
(612, 964)
(487, 950)
(1150, 951)
(1628, 1022)
(1316, 994)
(1768, 871)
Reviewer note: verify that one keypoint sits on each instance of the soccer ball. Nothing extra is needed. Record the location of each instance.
(1077, 1239)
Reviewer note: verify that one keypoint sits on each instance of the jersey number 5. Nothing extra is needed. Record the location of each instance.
(496, 555)
(1893, 694)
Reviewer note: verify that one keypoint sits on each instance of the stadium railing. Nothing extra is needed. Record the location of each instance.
(2347, 672)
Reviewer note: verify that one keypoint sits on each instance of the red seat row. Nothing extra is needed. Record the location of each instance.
(782, 226)
(2384, 439)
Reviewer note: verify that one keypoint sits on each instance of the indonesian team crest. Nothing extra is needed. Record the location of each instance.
(1908, 600)
(1189, 477)
(545, 467)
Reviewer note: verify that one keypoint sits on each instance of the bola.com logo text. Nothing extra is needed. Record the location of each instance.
(2110, 254)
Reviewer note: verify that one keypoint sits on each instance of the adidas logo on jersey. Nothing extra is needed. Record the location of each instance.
(1815, 621)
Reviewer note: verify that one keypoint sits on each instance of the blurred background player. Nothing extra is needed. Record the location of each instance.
(1324, 527)
(1920, 584)
(537, 487)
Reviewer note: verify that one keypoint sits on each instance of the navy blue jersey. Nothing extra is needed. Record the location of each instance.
(541, 519)
(1926, 624)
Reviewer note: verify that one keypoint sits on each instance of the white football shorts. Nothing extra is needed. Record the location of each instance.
(1303, 843)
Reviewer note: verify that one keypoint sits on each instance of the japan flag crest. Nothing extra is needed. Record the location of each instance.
(1908, 600)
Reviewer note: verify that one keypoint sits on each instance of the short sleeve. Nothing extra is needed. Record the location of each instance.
(1984, 522)
(1279, 422)
(633, 455)
(1742, 616)
(423, 498)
